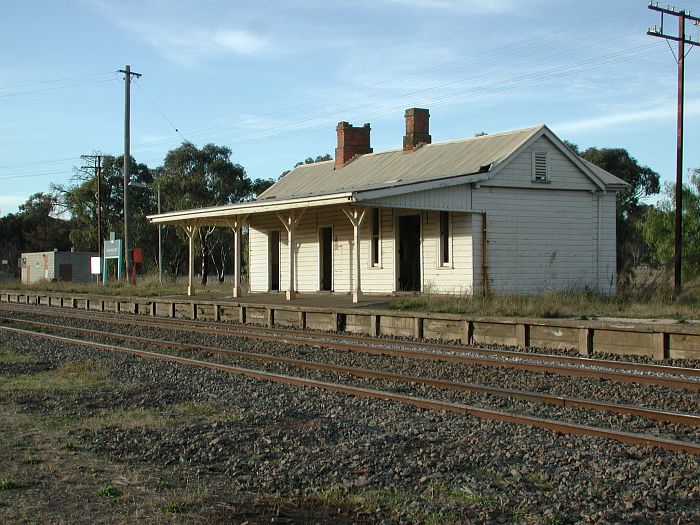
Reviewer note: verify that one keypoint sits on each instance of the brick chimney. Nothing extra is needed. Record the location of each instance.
(417, 128)
(352, 141)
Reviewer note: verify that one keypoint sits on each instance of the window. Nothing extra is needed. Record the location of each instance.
(376, 245)
(444, 238)
(540, 166)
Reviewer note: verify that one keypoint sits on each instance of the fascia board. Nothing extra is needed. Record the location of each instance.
(413, 187)
(206, 214)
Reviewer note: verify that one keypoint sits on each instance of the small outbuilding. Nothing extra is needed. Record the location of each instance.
(56, 266)
(514, 212)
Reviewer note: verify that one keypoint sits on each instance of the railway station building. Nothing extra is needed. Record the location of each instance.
(514, 212)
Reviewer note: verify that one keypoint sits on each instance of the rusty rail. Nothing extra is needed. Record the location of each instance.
(561, 401)
(420, 402)
(525, 361)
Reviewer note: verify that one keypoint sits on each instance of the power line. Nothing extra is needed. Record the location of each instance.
(29, 175)
(682, 17)
(55, 88)
(40, 162)
(263, 135)
(56, 80)
(159, 110)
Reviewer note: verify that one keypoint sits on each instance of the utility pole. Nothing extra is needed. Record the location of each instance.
(682, 16)
(97, 167)
(127, 156)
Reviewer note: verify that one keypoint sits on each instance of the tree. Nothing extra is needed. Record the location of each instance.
(196, 178)
(309, 160)
(659, 225)
(79, 199)
(644, 182)
(33, 229)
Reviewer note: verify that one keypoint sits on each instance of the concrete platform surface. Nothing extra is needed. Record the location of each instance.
(316, 300)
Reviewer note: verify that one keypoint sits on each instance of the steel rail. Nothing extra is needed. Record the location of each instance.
(420, 402)
(232, 330)
(537, 397)
(528, 363)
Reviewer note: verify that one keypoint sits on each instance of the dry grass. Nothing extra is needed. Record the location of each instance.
(659, 303)
(8, 357)
(146, 286)
(127, 419)
(66, 377)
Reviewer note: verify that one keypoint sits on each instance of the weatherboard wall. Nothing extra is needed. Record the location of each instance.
(381, 278)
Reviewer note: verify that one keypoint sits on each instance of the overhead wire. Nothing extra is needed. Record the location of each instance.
(5, 95)
(426, 74)
(65, 79)
(525, 47)
(148, 97)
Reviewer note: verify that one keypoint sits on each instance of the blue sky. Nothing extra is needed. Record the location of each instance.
(271, 79)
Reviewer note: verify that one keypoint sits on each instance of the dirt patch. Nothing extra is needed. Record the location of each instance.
(47, 476)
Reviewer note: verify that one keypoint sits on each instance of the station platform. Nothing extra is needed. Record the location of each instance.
(315, 300)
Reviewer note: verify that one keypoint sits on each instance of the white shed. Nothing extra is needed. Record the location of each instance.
(513, 212)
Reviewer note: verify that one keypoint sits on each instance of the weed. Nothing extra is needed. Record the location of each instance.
(69, 445)
(31, 460)
(174, 507)
(109, 491)
(162, 485)
(7, 484)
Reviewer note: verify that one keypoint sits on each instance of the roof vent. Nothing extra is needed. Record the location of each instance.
(540, 166)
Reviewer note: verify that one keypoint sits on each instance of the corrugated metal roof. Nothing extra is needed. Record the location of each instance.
(608, 178)
(396, 167)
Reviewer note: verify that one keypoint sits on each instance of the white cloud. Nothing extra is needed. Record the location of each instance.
(180, 37)
(624, 116)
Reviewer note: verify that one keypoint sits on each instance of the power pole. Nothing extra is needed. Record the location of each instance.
(128, 259)
(97, 166)
(682, 16)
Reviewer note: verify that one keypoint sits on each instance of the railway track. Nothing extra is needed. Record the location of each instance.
(683, 378)
(562, 401)
(420, 402)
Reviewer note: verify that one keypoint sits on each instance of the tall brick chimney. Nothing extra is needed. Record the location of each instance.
(417, 128)
(352, 141)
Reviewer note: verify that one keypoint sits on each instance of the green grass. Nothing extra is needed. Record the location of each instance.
(174, 507)
(109, 491)
(7, 484)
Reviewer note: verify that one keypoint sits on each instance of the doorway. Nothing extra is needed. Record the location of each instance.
(273, 249)
(65, 272)
(409, 253)
(325, 235)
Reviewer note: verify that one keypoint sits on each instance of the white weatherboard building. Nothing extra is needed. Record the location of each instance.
(513, 212)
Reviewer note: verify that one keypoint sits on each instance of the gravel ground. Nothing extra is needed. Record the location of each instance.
(602, 390)
(393, 461)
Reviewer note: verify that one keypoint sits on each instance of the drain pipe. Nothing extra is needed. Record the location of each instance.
(484, 255)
